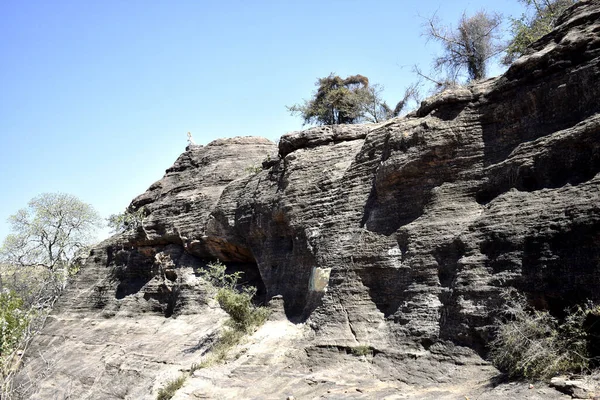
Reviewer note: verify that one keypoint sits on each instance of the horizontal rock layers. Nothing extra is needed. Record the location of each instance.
(400, 235)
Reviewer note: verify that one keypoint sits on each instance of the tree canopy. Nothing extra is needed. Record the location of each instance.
(336, 101)
(540, 19)
(467, 52)
(348, 101)
(49, 231)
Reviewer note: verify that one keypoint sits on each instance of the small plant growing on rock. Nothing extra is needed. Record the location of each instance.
(253, 169)
(170, 388)
(361, 350)
(127, 221)
(244, 316)
(216, 274)
(236, 302)
(533, 344)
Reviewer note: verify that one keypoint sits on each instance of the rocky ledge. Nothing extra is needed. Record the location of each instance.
(398, 236)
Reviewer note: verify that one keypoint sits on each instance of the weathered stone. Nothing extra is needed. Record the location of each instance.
(397, 236)
(576, 388)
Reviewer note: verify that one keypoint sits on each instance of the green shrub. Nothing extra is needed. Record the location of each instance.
(533, 344)
(361, 350)
(216, 275)
(27, 295)
(171, 387)
(14, 320)
(253, 169)
(244, 315)
(237, 303)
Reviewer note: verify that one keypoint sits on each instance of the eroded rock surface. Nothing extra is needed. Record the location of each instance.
(397, 236)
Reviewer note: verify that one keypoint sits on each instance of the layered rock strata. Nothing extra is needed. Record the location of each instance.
(399, 236)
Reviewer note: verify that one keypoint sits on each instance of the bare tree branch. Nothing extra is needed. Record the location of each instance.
(467, 47)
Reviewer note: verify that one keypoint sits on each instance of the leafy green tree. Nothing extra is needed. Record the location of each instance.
(35, 261)
(350, 101)
(468, 48)
(337, 101)
(49, 231)
(540, 19)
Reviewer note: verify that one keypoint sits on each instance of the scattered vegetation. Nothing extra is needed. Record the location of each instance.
(47, 235)
(244, 316)
(228, 339)
(533, 344)
(468, 50)
(36, 261)
(27, 295)
(361, 350)
(253, 169)
(128, 221)
(172, 386)
(540, 19)
(14, 319)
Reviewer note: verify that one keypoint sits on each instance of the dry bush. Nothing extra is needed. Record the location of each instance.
(533, 344)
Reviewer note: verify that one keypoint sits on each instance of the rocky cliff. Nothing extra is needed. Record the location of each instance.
(398, 236)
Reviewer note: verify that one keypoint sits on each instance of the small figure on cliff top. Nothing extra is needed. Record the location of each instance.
(190, 139)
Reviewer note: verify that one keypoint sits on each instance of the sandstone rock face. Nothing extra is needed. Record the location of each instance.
(399, 236)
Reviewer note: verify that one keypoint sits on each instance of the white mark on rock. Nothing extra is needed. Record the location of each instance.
(313, 232)
(319, 279)
(394, 251)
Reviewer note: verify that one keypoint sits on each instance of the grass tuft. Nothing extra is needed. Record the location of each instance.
(170, 388)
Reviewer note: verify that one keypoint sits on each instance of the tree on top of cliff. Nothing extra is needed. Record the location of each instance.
(541, 19)
(377, 109)
(344, 101)
(49, 231)
(336, 101)
(468, 48)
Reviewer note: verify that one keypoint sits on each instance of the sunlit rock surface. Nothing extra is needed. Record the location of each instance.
(397, 236)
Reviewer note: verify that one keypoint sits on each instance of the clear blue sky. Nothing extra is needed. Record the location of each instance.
(96, 97)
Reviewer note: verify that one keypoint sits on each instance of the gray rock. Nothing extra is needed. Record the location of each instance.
(576, 388)
(399, 236)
